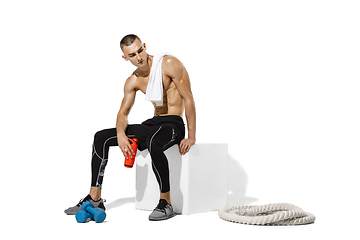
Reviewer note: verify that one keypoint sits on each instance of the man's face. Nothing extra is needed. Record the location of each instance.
(135, 53)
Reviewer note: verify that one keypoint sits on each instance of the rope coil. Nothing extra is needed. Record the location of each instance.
(270, 214)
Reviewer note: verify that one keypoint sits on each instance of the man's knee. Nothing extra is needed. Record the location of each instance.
(101, 136)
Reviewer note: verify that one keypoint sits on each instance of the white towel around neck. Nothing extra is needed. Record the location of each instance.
(154, 90)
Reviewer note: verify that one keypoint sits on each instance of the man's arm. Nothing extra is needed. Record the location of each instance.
(177, 72)
(122, 117)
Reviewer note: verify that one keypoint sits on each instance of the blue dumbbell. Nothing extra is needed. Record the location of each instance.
(82, 216)
(95, 214)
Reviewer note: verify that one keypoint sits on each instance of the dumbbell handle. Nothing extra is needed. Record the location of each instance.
(97, 214)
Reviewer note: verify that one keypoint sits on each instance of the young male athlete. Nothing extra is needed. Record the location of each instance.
(157, 134)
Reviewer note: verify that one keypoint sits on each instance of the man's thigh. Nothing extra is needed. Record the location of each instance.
(140, 132)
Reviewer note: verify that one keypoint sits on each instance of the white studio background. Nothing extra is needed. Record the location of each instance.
(276, 80)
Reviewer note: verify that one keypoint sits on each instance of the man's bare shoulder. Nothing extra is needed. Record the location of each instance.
(131, 79)
(172, 65)
(130, 83)
(172, 61)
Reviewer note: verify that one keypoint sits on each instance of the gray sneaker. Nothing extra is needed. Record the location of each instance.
(163, 211)
(97, 204)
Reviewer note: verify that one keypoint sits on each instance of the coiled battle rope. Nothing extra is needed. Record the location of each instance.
(270, 214)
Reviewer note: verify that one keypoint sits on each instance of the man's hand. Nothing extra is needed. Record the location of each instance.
(185, 145)
(125, 146)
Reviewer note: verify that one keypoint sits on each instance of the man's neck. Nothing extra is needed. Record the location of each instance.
(147, 67)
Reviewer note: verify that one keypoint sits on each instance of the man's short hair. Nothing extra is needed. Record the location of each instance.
(128, 40)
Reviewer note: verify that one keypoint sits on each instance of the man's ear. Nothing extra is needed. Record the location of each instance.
(123, 56)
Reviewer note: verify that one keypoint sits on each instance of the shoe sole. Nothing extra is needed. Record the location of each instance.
(163, 218)
(74, 213)
(71, 213)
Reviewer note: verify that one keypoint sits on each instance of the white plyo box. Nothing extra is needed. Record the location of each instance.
(198, 180)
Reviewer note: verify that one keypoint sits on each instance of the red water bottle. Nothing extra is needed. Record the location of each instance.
(129, 162)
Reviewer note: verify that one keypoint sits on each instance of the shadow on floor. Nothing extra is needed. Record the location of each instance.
(120, 202)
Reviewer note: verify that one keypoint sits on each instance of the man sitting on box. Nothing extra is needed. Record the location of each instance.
(166, 83)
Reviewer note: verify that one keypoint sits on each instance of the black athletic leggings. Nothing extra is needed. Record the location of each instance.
(156, 138)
